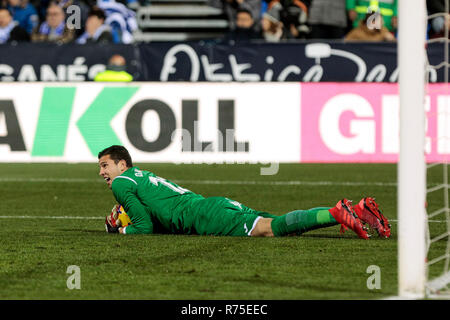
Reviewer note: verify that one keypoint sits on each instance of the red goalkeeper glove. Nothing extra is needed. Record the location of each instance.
(112, 222)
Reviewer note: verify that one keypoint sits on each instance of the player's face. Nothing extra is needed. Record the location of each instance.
(109, 169)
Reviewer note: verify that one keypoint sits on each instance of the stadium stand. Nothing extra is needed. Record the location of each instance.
(179, 20)
(134, 21)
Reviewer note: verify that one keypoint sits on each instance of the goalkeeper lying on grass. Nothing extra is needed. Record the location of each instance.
(156, 205)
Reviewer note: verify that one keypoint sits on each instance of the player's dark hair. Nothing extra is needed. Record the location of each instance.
(117, 153)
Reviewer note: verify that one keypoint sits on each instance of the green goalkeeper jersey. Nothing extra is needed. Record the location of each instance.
(154, 204)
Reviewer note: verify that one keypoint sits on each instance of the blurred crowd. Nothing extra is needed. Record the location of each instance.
(64, 21)
(349, 20)
(114, 21)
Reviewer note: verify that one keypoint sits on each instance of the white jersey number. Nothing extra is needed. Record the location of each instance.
(156, 180)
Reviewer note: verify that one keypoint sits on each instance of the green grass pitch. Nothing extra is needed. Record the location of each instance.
(42, 234)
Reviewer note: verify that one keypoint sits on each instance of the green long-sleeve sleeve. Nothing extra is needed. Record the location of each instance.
(125, 192)
(154, 204)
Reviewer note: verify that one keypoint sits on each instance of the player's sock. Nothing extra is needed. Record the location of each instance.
(300, 221)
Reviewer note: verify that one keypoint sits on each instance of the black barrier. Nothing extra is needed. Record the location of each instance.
(209, 61)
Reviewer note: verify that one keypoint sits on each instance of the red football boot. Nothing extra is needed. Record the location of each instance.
(344, 214)
(368, 211)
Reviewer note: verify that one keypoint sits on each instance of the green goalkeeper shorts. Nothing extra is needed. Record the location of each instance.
(224, 217)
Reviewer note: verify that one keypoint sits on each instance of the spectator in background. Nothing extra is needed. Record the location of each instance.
(373, 33)
(96, 31)
(231, 7)
(293, 14)
(54, 28)
(357, 10)
(24, 13)
(327, 19)
(272, 27)
(10, 31)
(438, 24)
(121, 20)
(245, 29)
(41, 7)
(84, 11)
(84, 5)
(115, 71)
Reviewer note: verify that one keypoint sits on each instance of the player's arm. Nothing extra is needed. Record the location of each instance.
(124, 191)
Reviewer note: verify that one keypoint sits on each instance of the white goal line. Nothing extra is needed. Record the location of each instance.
(231, 182)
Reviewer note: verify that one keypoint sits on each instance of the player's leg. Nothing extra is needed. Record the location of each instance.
(263, 228)
(300, 221)
(222, 216)
(234, 218)
(294, 222)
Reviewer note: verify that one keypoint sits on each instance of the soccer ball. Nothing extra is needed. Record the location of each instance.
(123, 219)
